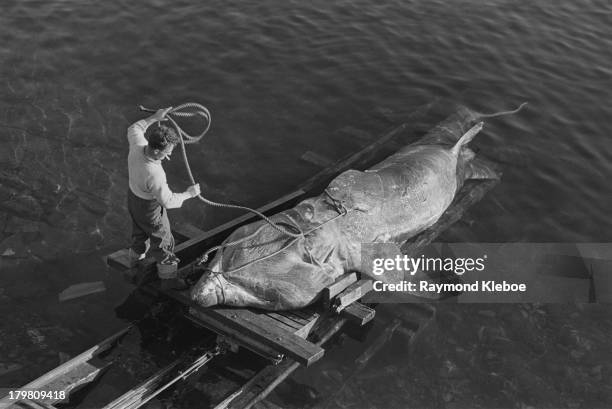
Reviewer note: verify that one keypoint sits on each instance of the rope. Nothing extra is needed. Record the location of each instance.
(340, 208)
(195, 109)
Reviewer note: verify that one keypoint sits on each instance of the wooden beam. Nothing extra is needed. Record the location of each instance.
(286, 322)
(337, 287)
(119, 260)
(232, 337)
(305, 330)
(358, 313)
(351, 294)
(263, 329)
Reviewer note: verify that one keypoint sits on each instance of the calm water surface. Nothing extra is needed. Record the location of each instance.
(281, 78)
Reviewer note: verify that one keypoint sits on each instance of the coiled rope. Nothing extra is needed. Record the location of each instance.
(193, 109)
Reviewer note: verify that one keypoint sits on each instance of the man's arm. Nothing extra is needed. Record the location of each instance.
(136, 131)
(169, 199)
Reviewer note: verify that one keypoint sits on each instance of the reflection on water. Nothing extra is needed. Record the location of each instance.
(282, 78)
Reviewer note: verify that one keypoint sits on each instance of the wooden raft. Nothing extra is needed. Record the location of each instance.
(291, 339)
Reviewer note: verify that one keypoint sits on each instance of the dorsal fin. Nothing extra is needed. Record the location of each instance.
(467, 137)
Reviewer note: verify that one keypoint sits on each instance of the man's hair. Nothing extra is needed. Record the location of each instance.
(162, 136)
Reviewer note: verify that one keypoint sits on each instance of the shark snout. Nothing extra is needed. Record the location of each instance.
(206, 291)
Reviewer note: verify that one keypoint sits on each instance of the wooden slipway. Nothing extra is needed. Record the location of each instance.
(287, 339)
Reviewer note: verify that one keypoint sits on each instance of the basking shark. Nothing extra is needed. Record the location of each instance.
(394, 200)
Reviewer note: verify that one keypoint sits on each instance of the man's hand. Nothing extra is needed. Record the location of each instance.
(160, 115)
(193, 190)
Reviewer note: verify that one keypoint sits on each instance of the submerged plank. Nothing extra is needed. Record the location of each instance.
(81, 290)
(119, 260)
(77, 371)
(316, 159)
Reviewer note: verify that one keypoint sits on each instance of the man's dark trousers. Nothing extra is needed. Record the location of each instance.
(150, 222)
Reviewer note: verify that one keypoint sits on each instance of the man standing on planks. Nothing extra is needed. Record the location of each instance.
(149, 196)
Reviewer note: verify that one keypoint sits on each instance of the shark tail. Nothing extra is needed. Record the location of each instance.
(502, 113)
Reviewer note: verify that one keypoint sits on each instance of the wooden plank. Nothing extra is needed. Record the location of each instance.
(259, 327)
(297, 318)
(351, 294)
(358, 313)
(80, 375)
(119, 260)
(233, 336)
(304, 313)
(305, 330)
(81, 289)
(316, 159)
(286, 322)
(263, 329)
(337, 287)
(73, 373)
(360, 134)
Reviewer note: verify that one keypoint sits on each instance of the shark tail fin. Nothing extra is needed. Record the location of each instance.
(502, 113)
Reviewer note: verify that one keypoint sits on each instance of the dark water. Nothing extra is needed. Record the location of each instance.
(281, 78)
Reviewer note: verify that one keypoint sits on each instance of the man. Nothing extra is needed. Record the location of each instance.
(149, 195)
